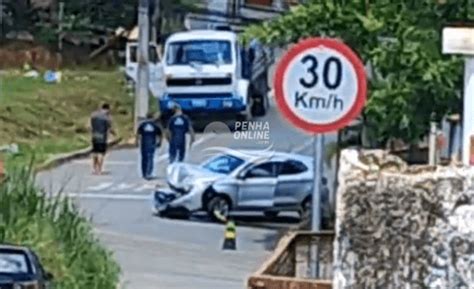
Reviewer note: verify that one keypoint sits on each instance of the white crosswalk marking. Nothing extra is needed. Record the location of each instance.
(144, 187)
(162, 158)
(108, 162)
(203, 139)
(100, 187)
(122, 186)
(109, 196)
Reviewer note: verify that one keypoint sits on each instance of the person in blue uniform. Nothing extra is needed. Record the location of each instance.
(179, 125)
(149, 136)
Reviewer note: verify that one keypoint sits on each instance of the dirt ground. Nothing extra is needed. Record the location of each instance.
(15, 54)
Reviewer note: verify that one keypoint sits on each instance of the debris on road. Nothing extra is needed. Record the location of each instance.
(52, 76)
(11, 149)
(31, 74)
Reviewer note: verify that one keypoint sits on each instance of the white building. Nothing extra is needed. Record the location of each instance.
(237, 13)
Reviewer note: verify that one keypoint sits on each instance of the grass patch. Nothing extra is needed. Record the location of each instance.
(47, 119)
(53, 227)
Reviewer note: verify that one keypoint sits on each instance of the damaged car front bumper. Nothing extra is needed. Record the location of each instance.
(169, 202)
(162, 199)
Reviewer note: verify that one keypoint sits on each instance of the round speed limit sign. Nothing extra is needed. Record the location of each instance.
(320, 85)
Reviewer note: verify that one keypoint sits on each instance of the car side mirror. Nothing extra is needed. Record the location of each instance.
(242, 176)
(49, 276)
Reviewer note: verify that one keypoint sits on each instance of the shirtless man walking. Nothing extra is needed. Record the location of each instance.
(101, 126)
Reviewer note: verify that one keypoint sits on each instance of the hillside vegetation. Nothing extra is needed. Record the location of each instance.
(46, 119)
(53, 227)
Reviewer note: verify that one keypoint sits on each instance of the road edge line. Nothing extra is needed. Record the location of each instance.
(60, 159)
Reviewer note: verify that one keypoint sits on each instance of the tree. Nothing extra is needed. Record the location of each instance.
(172, 14)
(412, 81)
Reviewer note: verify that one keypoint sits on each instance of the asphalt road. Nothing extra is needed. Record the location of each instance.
(163, 253)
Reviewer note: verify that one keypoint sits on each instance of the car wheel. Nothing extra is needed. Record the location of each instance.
(271, 214)
(219, 208)
(305, 213)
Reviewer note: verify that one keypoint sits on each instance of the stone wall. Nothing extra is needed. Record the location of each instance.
(401, 227)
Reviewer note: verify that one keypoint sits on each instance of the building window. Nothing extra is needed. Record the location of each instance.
(268, 3)
(273, 3)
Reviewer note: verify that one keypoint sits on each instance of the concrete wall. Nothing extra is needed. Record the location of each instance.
(403, 227)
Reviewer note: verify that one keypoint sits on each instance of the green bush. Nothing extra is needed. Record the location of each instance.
(53, 227)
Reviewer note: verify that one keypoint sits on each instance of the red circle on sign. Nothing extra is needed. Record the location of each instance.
(361, 85)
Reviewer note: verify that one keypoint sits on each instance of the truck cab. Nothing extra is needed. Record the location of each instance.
(208, 73)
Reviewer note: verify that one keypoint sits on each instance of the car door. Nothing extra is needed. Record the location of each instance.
(155, 67)
(257, 186)
(39, 271)
(156, 75)
(131, 62)
(293, 183)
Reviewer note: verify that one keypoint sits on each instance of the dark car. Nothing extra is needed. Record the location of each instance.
(20, 268)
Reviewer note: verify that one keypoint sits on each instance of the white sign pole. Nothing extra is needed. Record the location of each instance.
(318, 171)
(316, 203)
(468, 117)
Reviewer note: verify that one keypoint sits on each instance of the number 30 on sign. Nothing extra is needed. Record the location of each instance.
(320, 85)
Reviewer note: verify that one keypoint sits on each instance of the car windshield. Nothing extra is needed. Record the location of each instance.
(14, 263)
(224, 164)
(199, 52)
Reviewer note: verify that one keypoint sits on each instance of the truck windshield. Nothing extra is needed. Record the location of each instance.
(199, 51)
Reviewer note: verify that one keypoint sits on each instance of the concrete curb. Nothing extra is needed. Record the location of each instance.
(61, 159)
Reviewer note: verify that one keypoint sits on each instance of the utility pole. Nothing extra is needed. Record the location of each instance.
(60, 26)
(156, 21)
(141, 97)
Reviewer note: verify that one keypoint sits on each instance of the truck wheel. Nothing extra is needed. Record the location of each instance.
(246, 115)
(260, 106)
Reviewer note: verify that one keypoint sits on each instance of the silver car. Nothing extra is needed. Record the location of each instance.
(267, 181)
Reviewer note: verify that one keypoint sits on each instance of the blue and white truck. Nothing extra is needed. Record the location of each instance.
(210, 75)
